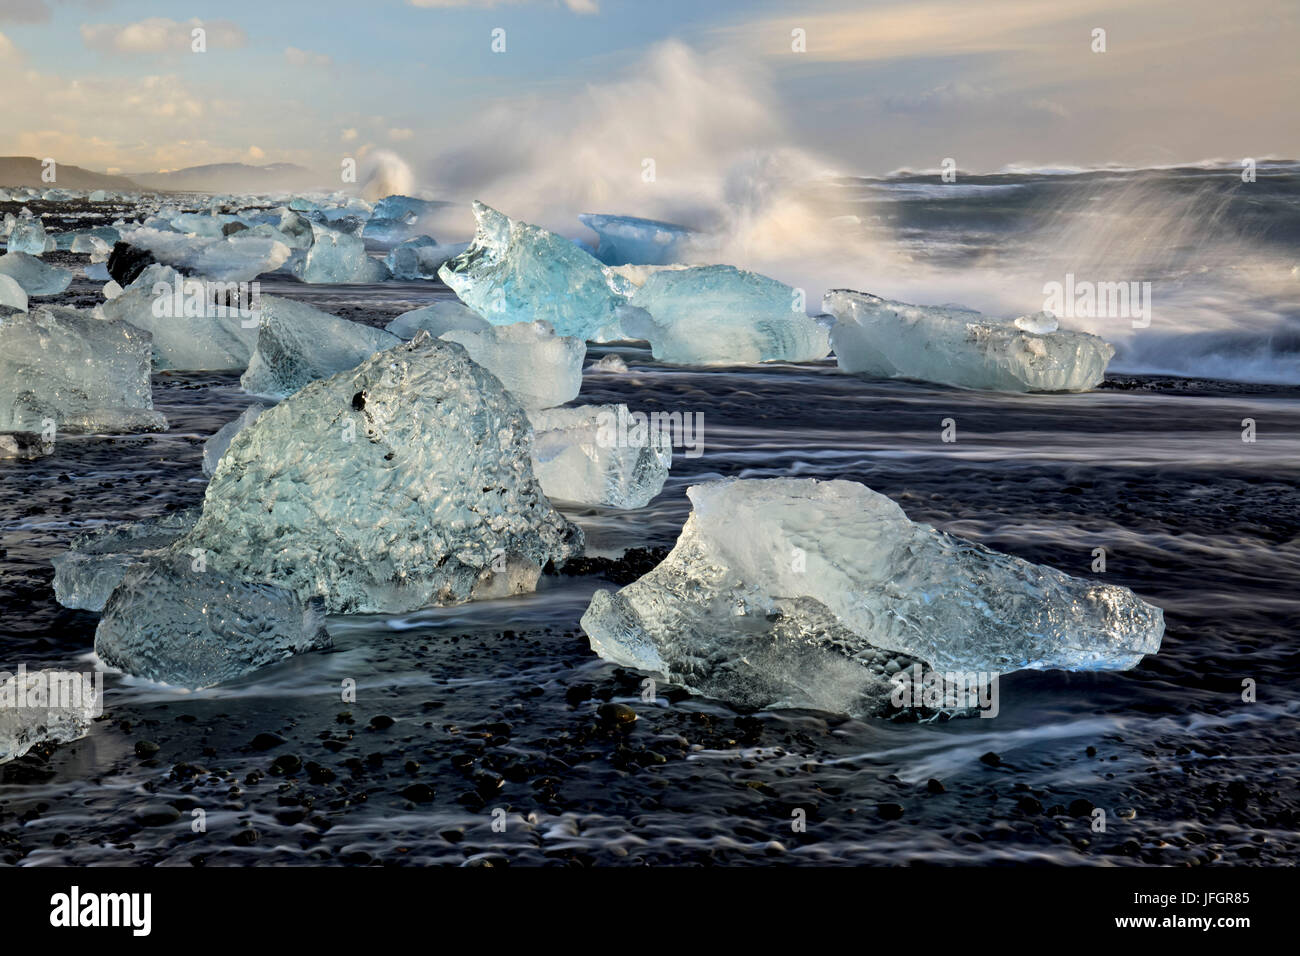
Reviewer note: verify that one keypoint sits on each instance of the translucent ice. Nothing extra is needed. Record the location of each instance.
(442, 316)
(46, 706)
(35, 276)
(420, 258)
(216, 446)
(516, 272)
(581, 455)
(297, 344)
(236, 258)
(179, 622)
(627, 239)
(194, 324)
(81, 373)
(28, 236)
(535, 365)
(721, 315)
(1040, 324)
(400, 483)
(884, 339)
(777, 587)
(12, 294)
(337, 257)
(94, 564)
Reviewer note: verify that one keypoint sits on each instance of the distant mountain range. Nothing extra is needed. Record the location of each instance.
(27, 170)
(232, 178)
(212, 178)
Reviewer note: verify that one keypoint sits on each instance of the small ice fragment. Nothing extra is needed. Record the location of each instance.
(338, 257)
(443, 316)
(45, 706)
(582, 455)
(28, 235)
(627, 239)
(35, 276)
(86, 574)
(12, 294)
(538, 367)
(420, 258)
(613, 362)
(1041, 323)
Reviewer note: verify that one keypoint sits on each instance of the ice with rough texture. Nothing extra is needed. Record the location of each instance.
(580, 456)
(535, 365)
(94, 564)
(28, 235)
(883, 339)
(12, 294)
(176, 623)
(216, 446)
(776, 587)
(610, 364)
(443, 316)
(629, 240)
(35, 276)
(47, 706)
(297, 344)
(235, 258)
(420, 258)
(516, 272)
(191, 328)
(403, 482)
(721, 315)
(336, 257)
(82, 373)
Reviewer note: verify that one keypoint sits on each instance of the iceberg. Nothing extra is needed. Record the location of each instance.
(95, 563)
(776, 588)
(442, 316)
(882, 339)
(216, 446)
(81, 373)
(181, 622)
(628, 240)
(12, 294)
(236, 258)
(46, 706)
(297, 344)
(336, 257)
(721, 315)
(420, 258)
(516, 272)
(536, 366)
(195, 324)
(35, 276)
(28, 235)
(403, 482)
(579, 456)
(402, 207)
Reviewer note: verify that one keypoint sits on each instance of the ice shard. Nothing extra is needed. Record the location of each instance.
(12, 294)
(538, 367)
(46, 706)
(516, 272)
(338, 257)
(403, 482)
(66, 370)
(443, 316)
(95, 563)
(28, 235)
(782, 584)
(297, 344)
(628, 240)
(588, 455)
(882, 339)
(721, 315)
(195, 324)
(235, 258)
(420, 258)
(176, 620)
(216, 446)
(35, 276)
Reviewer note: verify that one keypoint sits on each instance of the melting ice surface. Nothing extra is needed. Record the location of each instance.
(403, 482)
(628, 239)
(783, 592)
(883, 339)
(95, 563)
(578, 457)
(46, 706)
(538, 367)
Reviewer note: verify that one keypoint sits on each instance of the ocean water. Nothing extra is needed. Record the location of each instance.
(489, 747)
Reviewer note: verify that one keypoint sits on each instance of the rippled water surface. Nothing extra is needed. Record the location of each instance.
(488, 712)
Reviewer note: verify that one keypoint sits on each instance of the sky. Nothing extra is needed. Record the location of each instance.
(589, 89)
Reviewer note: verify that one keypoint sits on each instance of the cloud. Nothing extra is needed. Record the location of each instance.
(24, 11)
(576, 6)
(159, 35)
(348, 135)
(7, 50)
(297, 57)
(397, 134)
